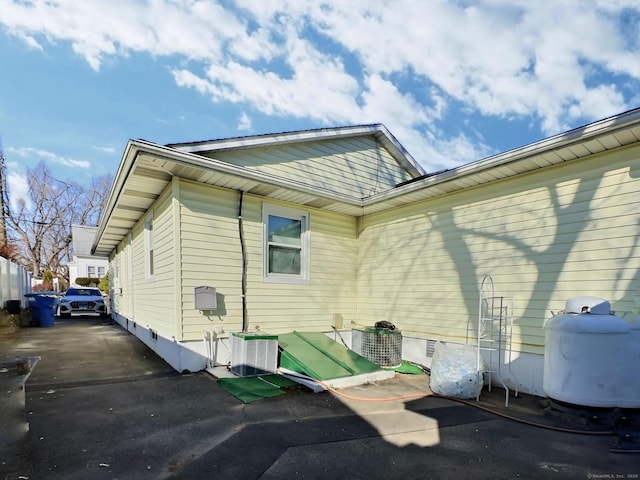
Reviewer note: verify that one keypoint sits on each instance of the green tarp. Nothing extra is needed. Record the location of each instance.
(318, 356)
(409, 368)
(250, 389)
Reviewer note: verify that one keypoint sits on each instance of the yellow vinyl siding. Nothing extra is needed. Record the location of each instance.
(211, 255)
(357, 166)
(116, 273)
(331, 287)
(406, 276)
(544, 237)
(155, 298)
(120, 280)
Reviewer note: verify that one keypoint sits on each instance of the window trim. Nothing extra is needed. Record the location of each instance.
(96, 271)
(293, 214)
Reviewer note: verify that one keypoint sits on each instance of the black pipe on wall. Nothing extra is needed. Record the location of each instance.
(243, 250)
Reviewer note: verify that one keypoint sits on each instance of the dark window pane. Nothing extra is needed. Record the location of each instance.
(284, 260)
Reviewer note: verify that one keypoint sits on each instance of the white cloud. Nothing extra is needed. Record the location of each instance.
(244, 122)
(338, 62)
(18, 189)
(36, 154)
(498, 57)
(382, 100)
(105, 149)
(105, 28)
(317, 88)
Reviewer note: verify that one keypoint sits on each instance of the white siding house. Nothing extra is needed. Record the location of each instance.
(342, 227)
(84, 264)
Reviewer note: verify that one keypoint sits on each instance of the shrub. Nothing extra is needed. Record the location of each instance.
(87, 281)
(104, 284)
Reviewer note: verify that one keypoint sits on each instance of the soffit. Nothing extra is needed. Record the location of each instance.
(151, 171)
(151, 168)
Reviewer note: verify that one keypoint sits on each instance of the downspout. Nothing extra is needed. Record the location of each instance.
(243, 250)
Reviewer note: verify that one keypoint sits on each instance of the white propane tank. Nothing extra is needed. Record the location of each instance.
(588, 356)
(632, 390)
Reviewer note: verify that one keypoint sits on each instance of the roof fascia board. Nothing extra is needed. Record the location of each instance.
(600, 128)
(185, 155)
(274, 139)
(211, 164)
(136, 148)
(124, 169)
(398, 151)
(606, 126)
(379, 131)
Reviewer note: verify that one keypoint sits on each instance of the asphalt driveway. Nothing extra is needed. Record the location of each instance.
(100, 404)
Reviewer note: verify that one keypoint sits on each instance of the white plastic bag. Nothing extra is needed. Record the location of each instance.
(454, 371)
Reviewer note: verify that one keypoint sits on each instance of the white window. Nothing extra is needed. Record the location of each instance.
(286, 245)
(95, 272)
(148, 244)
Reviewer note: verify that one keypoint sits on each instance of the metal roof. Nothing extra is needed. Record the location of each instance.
(147, 168)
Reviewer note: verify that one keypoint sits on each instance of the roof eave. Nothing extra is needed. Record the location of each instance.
(377, 130)
(139, 148)
(600, 129)
(119, 180)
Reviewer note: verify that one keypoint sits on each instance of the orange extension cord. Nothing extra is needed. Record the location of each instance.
(471, 404)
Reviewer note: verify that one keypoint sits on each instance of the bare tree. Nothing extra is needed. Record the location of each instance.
(4, 241)
(42, 224)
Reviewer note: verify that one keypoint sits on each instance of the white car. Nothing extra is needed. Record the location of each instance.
(82, 300)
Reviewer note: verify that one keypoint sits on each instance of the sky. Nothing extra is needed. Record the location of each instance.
(454, 81)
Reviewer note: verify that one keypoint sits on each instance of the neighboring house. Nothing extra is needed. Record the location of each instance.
(84, 264)
(341, 227)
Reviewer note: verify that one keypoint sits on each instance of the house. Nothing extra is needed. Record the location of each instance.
(84, 264)
(341, 227)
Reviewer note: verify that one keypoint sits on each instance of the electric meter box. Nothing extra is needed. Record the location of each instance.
(206, 298)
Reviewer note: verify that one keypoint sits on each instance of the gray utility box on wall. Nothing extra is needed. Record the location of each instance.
(205, 298)
(253, 354)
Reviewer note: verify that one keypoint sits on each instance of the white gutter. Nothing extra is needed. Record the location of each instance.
(182, 155)
(135, 148)
(192, 160)
(272, 139)
(126, 165)
(580, 134)
(378, 130)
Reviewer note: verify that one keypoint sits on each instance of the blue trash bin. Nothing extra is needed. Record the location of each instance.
(47, 306)
(43, 309)
(33, 308)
